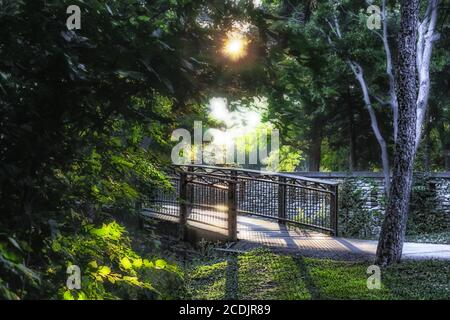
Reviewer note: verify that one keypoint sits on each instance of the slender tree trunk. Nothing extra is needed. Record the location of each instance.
(359, 74)
(427, 35)
(392, 235)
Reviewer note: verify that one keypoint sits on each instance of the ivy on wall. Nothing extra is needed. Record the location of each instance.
(361, 208)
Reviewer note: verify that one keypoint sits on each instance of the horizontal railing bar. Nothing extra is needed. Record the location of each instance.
(259, 180)
(286, 175)
(210, 175)
(164, 201)
(223, 188)
(175, 203)
(213, 175)
(289, 185)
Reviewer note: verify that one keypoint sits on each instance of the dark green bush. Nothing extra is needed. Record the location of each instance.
(355, 219)
(425, 216)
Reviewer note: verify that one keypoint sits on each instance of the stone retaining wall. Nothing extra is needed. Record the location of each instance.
(372, 183)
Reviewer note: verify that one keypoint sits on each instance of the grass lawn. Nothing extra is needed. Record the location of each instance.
(261, 274)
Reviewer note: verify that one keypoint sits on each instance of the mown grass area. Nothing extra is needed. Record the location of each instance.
(262, 274)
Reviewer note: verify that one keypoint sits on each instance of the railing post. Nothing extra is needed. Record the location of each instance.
(183, 205)
(190, 195)
(281, 200)
(334, 209)
(232, 208)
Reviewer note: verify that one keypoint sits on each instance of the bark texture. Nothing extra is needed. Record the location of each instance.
(393, 230)
(315, 153)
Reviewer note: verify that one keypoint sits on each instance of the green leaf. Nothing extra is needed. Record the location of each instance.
(137, 263)
(132, 280)
(160, 264)
(143, 18)
(82, 296)
(68, 295)
(104, 271)
(126, 263)
(148, 264)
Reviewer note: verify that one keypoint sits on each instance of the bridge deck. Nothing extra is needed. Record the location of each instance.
(254, 232)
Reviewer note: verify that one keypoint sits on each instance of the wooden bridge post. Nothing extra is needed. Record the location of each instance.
(281, 200)
(232, 208)
(183, 205)
(334, 208)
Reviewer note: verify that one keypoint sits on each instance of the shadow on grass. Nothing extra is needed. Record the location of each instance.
(311, 286)
(231, 277)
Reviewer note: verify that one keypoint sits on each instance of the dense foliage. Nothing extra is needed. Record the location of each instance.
(110, 268)
(315, 98)
(85, 117)
(356, 219)
(426, 214)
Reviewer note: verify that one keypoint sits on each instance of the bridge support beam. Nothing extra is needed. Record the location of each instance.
(282, 200)
(232, 209)
(183, 205)
(334, 205)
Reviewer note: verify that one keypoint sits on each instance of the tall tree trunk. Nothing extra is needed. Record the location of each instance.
(315, 150)
(392, 235)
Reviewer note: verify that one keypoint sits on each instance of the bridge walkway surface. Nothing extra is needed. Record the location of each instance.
(256, 232)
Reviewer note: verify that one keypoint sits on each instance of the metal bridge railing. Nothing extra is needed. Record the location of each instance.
(216, 195)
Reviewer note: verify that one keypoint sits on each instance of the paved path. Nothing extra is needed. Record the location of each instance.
(254, 232)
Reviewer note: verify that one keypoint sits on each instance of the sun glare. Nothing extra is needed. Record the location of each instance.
(235, 46)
